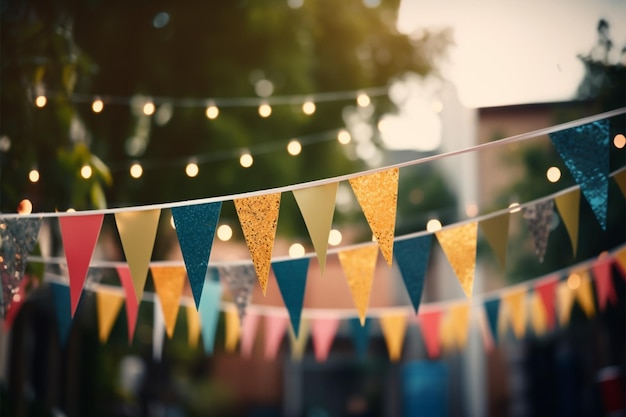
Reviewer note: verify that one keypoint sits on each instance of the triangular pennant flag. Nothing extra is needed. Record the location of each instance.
(233, 330)
(547, 292)
(496, 231)
(259, 217)
(459, 315)
(193, 325)
(377, 195)
(429, 323)
(19, 298)
(620, 179)
(585, 151)
(298, 344)
(568, 205)
(209, 310)
(17, 240)
(137, 230)
(492, 309)
(358, 265)
(61, 295)
(168, 284)
(248, 334)
(538, 317)
(275, 328)
(538, 218)
(291, 279)
(132, 305)
(195, 227)
(516, 304)
(158, 331)
(566, 300)
(323, 332)
(620, 261)
(459, 245)
(412, 258)
(108, 304)
(360, 336)
(584, 294)
(394, 330)
(239, 281)
(447, 333)
(317, 205)
(79, 235)
(605, 291)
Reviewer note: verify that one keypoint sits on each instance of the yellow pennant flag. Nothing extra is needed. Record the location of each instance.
(137, 230)
(459, 324)
(259, 217)
(168, 284)
(377, 195)
(298, 344)
(317, 205)
(359, 264)
(394, 329)
(516, 303)
(566, 299)
(538, 317)
(620, 179)
(620, 259)
(584, 294)
(109, 305)
(193, 325)
(568, 205)
(496, 231)
(459, 245)
(233, 329)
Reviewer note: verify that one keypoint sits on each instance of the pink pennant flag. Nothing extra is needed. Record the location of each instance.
(323, 333)
(132, 306)
(19, 298)
(429, 322)
(604, 283)
(79, 235)
(547, 291)
(248, 333)
(275, 328)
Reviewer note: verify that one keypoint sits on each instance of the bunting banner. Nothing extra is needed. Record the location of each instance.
(168, 284)
(538, 316)
(158, 330)
(393, 327)
(584, 294)
(248, 334)
(193, 326)
(61, 297)
(132, 305)
(323, 331)
(585, 151)
(233, 330)
(459, 245)
(620, 180)
(377, 195)
(298, 344)
(79, 235)
(209, 310)
(108, 305)
(259, 218)
(275, 328)
(568, 205)
(538, 217)
(317, 206)
(291, 279)
(430, 324)
(360, 333)
(605, 291)
(496, 232)
(516, 305)
(492, 311)
(195, 228)
(547, 290)
(358, 265)
(412, 259)
(17, 240)
(239, 281)
(137, 230)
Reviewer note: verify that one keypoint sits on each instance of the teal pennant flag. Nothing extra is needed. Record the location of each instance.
(209, 310)
(412, 258)
(61, 295)
(291, 278)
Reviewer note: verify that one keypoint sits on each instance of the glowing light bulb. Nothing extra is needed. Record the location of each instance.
(41, 101)
(553, 174)
(33, 175)
(334, 237)
(363, 100)
(224, 233)
(433, 225)
(212, 112)
(294, 148)
(265, 110)
(344, 137)
(25, 207)
(514, 208)
(136, 170)
(471, 210)
(296, 251)
(308, 107)
(192, 169)
(148, 108)
(86, 172)
(573, 281)
(246, 160)
(97, 106)
(71, 210)
(619, 141)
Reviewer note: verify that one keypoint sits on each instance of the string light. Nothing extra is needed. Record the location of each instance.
(25, 207)
(308, 107)
(41, 101)
(573, 281)
(148, 108)
(192, 169)
(553, 174)
(514, 208)
(433, 225)
(344, 137)
(97, 106)
(224, 233)
(86, 172)
(33, 175)
(71, 210)
(296, 251)
(265, 110)
(136, 170)
(471, 210)
(334, 237)
(363, 100)
(294, 147)
(246, 160)
(619, 141)
(212, 112)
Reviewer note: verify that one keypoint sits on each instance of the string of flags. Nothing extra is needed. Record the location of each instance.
(583, 147)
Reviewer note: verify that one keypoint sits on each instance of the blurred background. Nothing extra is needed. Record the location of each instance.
(120, 104)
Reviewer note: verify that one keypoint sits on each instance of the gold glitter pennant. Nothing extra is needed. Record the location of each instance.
(459, 245)
(394, 330)
(109, 305)
(259, 217)
(568, 205)
(377, 194)
(359, 265)
(168, 284)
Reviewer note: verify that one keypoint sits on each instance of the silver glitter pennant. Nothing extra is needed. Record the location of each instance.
(539, 218)
(240, 280)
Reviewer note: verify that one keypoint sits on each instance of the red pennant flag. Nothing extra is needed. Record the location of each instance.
(19, 297)
(132, 306)
(429, 322)
(79, 235)
(324, 330)
(604, 282)
(547, 291)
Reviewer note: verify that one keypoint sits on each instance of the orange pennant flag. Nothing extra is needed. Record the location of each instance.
(459, 245)
(584, 294)
(109, 304)
(193, 325)
(377, 195)
(137, 230)
(259, 218)
(358, 265)
(168, 284)
(394, 329)
(538, 316)
(516, 303)
(233, 329)
(566, 299)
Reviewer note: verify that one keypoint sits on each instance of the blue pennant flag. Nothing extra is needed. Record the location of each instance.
(195, 227)
(291, 278)
(585, 151)
(61, 295)
(492, 307)
(209, 310)
(360, 335)
(412, 258)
